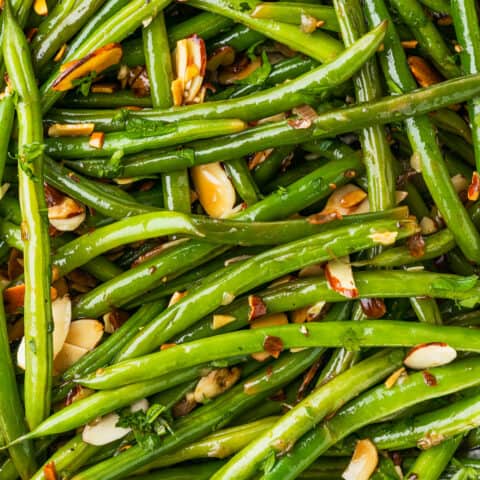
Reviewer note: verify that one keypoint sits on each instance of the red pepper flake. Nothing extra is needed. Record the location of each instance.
(50, 472)
(273, 345)
(257, 307)
(373, 307)
(416, 245)
(429, 379)
(474, 188)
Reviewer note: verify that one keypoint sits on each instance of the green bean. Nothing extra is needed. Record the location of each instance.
(108, 200)
(458, 146)
(441, 6)
(220, 444)
(278, 205)
(68, 456)
(466, 22)
(239, 38)
(100, 403)
(10, 209)
(303, 293)
(430, 464)
(12, 423)
(117, 24)
(268, 169)
(7, 113)
(157, 224)
(332, 334)
(391, 109)
(452, 122)
(292, 175)
(12, 234)
(116, 99)
(426, 310)
(209, 417)
(280, 98)
(456, 166)
(376, 151)
(318, 45)
(372, 406)
(257, 270)
(428, 36)
(423, 140)
(293, 12)
(36, 252)
(242, 181)
(135, 141)
(201, 471)
(304, 416)
(44, 47)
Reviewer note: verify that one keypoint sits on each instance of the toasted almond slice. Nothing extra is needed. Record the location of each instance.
(384, 238)
(103, 88)
(215, 190)
(68, 224)
(260, 356)
(215, 383)
(97, 139)
(311, 271)
(64, 207)
(222, 56)
(96, 61)
(40, 7)
(257, 307)
(460, 183)
(49, 471)
(15, 297)
(85, 333)
(429, 355)
(177, 92)
(363, 463)
(70, 130)
(62, 316)
(423, 72)
(176, 297)
(181, 59)
(271, 320)
(228, 78)
(67, 356)
(61, 53)
(474, 187)
(343, 199)
(220, 321)
(104, 431)
(197, 53)
(77, 393)
(395, 377)
(315, 310)
(352, 198)
(339, 275)
(299, 315)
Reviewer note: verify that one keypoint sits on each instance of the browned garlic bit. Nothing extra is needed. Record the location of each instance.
(215, 383)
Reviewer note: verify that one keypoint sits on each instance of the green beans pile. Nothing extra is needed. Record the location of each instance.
(240, 239)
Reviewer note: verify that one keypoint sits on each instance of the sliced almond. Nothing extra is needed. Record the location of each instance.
(215, 383)
(271, 320)
(176, 297)
(68, 355)
(215, 190)
(104, 431)
(107, 88)
(85, 333)
(232, 76)
(339, 276)
(220, 321)
(77, 393)
(49, 471)
(423, 72)
(70, 130)
(257, 307)
(429, 355)
(64, 213)
(61, 316)
(68, 224)
(363, 463)
(96, 61)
